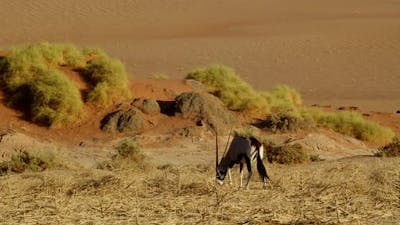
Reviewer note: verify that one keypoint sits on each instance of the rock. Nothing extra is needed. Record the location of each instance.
(204, 108)
(398, 111)
(124, 120)
(148, 106)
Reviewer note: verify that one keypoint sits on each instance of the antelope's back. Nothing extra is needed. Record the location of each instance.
(239, 146)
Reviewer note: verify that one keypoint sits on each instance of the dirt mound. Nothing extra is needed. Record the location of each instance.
(204, 108)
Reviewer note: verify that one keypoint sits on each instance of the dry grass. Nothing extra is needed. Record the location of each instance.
(358, 191)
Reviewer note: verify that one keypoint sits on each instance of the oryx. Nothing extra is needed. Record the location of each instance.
(241, 150)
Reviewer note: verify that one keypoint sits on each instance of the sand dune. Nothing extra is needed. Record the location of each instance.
(342, 52)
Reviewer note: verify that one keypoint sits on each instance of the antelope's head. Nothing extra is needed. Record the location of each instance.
(220, 175)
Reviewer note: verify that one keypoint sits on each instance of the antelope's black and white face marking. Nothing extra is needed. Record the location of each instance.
(220, 176)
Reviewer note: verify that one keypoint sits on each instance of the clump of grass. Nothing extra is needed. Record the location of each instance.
(286, 153)
(32, 78)
(282, 99)
(25, 161)
(128, 154)
(51, 100)
(390, 150)
(350, 123)
(238, 95)
(34, 84)
(109, 80)
(224, 83)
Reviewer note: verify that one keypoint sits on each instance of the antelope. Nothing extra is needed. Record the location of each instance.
(241, 150)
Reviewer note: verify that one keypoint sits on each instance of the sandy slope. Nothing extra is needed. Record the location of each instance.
(342, 52)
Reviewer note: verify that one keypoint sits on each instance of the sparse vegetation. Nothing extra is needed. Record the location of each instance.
(349, 123)
(357, 191)
(128, 155)
(282, 99)
(390, 150)
(285, 121)
(32, 77)
(25, 161)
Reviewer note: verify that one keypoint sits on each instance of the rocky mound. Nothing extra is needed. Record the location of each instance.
(147, 106)
(124, 120)
(204, 108)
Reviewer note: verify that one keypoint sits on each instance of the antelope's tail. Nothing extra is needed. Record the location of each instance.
(260, 165)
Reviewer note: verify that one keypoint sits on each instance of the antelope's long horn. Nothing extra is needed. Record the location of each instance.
(216, 149)
(227, 142)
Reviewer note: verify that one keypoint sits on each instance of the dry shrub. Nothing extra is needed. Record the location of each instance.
(92, 184)
(286, 153)
(284, 121)
(390, 150)
(128, 155)
(25, 161)
(246, 132)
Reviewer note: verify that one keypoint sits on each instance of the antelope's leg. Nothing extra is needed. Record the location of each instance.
(229, 176)
(241, 174)
(249, 173)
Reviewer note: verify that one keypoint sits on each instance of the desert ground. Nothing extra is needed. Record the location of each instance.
(335, 53)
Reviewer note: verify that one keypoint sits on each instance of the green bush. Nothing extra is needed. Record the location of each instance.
(390, 150)
(224, 83)
(350, 123)
(109, 81)
(24, 161)
(34, 84)
(55, 100)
